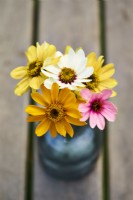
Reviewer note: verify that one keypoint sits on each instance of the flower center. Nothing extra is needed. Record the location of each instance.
(67, 75)
(35, 68)
(96, 106)
(55, 112)
(93, 84)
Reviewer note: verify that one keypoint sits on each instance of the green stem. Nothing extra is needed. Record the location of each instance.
(30, 139)
(105, 175)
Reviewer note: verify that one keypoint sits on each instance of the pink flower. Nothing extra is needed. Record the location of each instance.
(97, 108)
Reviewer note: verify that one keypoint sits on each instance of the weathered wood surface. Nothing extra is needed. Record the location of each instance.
(120, 51)
(15, 33)
(65, 22)
(75, 23)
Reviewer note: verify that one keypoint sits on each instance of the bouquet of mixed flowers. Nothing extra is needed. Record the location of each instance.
(74, 88)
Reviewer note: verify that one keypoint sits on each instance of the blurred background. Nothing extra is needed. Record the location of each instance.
(75, 23)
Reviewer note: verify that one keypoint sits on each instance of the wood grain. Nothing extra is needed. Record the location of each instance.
(120, 51)
(15, 19)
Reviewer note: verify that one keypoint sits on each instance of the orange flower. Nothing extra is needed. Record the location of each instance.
(60, 109)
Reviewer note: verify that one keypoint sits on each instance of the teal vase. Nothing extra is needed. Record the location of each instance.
(70, 158)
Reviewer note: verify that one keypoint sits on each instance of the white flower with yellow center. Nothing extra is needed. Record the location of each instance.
(70, 72)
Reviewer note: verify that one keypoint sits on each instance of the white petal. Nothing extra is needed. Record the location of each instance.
(86, 73)
(48, 74)
(71, 52)
(82, 80)
(63, 61)
(58, 53)
(48, 83)
(80, 52)
(79, 64)
(72, 87)
(52, 69)
(78, 84)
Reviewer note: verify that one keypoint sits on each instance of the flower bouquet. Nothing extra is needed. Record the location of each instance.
(75, 91)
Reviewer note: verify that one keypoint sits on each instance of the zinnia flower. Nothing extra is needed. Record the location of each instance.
(101, 77)
(70, 71)
(97, 107)
(59, 110)
(31, 75)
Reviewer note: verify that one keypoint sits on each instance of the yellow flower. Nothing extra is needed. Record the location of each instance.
(101, 76)
(60, 109)
(38, 56)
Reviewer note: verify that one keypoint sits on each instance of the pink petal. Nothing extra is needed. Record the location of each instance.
(86, 94)
(95, 96)
(109, 115)
(93, 119)
(100, 122)
(85, 116)
(110, 106)
(106, 94)
(83, 107)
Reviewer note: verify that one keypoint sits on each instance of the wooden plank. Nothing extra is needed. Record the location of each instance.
(14, 39)
(75, 23)
(120, 51)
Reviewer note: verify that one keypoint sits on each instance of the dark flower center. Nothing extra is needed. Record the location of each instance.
(67, 75)
(96, 106)
(35, 68)
(55, 112)
(94, 82)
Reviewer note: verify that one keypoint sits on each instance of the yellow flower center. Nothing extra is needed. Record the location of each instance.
(67, 75)
(94, 83)
(35, 68)
(55, 112)
(96, 106)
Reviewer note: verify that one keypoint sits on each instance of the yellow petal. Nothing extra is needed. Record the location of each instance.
(67, 49)
(66, 95)
(54, 92)
(106, 72)
(40, 51)
(38, 98)
(91, 59)
(19, 72)
(100, 61)
(31, 54)
(60, 128)
(73, 113)
(50, 51)
(113, 93)
(107, 67)
(46, 93)
(71, 99)
(53, 61)
(33, 90)
(68, 128)
(109, 83)
(36, 82)
(53, 130)
(35, 110)
(22, 86)
(74, 121)
(35, 118)
(70, 105)
(43, 127)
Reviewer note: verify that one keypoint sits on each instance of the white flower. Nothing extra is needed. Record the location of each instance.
(70, 71)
